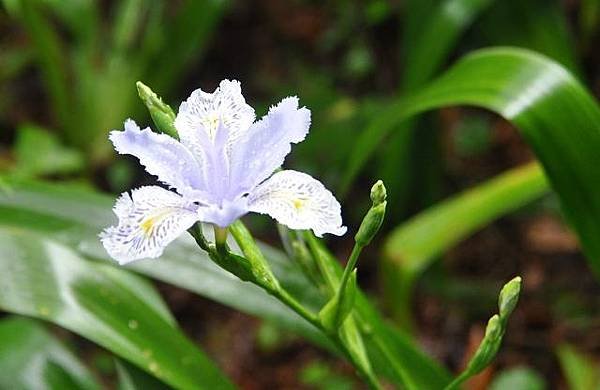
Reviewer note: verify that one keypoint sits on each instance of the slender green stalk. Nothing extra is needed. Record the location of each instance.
(221, 239)
(352, 260)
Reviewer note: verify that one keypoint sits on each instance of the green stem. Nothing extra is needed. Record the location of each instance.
(220, 239)
(352, 260)
(284, 297)
(255, 256)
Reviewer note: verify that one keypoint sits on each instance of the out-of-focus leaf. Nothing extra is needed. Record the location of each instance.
(75, 217)
(556, 115)
(38, 152)
(427, 49)
(110, 306)
(519, 378)
(49, 54)
(580, 371)
(31, 358)
(431, 31)
(412, 246)
(538, 25)
(188, 35)
(132, 378)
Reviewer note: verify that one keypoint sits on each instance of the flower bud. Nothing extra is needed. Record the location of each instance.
(378, 193)
(374, 218)
(162, 115)
(509, 296)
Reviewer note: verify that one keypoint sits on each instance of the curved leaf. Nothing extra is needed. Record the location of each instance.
(110, 306)
(556, 115)
(412, 246)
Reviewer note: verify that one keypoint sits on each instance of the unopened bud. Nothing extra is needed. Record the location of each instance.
(378, 193)
(509, 296)
(374, 218)
(162, 115)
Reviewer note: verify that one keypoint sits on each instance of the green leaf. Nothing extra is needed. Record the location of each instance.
(49, 54)
(413, 246)
(75, 217)
(431, 31)
(556, 115)
(132, 378)
(30, 357)
(108, 305)
(187, 36)
(38, 152)
(519, 378)
(580, 371)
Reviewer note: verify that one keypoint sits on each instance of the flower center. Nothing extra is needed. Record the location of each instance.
(299, 203)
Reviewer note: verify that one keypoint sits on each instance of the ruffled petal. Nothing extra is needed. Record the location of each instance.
(298, 201)
(263, 148)
(162, 156)
(149, 220)
(203, 113)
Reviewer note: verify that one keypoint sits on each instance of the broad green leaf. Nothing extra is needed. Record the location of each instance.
(110, 306)
(31, 358)
(555, 114)
(412, 246)
(580, 371)
(75, 217)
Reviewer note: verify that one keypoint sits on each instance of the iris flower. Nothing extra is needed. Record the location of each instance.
(220, 169)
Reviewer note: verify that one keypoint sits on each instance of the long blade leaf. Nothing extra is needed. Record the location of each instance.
(110, 306)
(556, 115)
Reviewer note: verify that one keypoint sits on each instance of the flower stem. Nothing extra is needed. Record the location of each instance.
(220, 239)
(350, 266)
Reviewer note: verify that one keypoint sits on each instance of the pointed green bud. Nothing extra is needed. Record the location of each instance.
(339, 307)
(493, 328)
(378, 193)
(374, 218)
(162, 115)
(509, 296)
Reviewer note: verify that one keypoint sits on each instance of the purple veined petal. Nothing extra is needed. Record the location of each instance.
(162, 156)
(216, 165)
(149, 220)
(203, 113)
(298, 201)
(263, 148)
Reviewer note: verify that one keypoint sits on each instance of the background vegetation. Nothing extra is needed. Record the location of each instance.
(480, 116)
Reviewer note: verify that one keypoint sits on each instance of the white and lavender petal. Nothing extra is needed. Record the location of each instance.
(298, 201)
(162, 156)
(203, 113)
(149, 220)
(263, 148)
